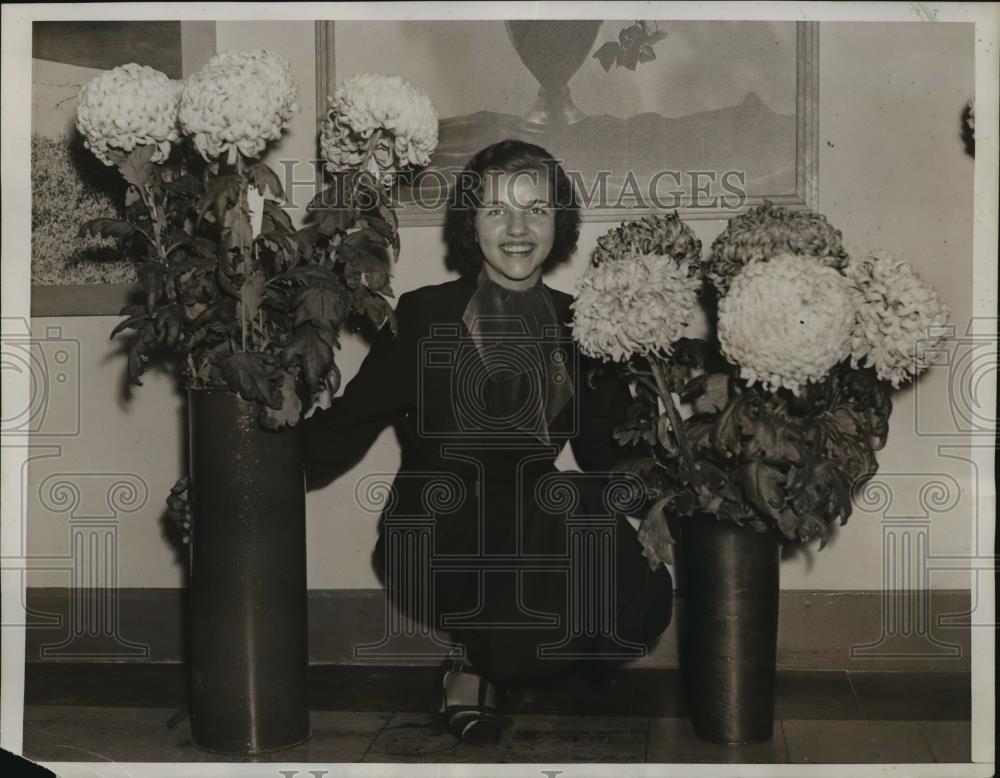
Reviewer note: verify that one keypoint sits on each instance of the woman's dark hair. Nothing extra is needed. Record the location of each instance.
(509, 156)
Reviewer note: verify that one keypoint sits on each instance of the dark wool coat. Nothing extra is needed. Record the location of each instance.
(482, 537)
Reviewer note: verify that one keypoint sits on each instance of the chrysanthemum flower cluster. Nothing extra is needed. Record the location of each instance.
(786, 321)
(238, 102)
(767, 231)
(899, 317)
(129, 106)
(636, 305)
(402, 116)
(661, 234)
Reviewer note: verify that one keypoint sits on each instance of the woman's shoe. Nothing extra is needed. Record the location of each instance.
(468, 704)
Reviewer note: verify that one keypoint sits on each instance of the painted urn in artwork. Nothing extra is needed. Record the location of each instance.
(553, 50)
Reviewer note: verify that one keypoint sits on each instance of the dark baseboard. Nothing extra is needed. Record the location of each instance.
(818, 630)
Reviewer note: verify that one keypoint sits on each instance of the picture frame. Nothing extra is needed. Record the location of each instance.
(64, 55)
(800, 189)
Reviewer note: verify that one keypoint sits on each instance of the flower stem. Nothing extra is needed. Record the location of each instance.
(150, 202)
(373, 141)
(675, 417)
(242, 205)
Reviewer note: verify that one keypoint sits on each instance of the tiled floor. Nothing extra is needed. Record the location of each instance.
(137, 713)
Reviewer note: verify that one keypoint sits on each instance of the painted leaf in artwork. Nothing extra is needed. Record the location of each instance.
(607, 55)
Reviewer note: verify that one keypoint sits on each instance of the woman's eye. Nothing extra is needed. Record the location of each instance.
(538, 210)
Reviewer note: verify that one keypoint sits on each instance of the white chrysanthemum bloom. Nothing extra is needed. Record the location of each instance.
(131, 105)
(403, 115)
(238, 102)
(787, 321)
(634, 305)
(899, 317)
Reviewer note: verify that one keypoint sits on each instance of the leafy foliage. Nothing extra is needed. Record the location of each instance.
(768, 460)
(258, 314)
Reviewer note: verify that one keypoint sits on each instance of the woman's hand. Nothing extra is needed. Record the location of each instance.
(179, 506)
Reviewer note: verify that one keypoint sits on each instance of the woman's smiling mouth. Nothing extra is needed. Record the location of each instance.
(517, 249)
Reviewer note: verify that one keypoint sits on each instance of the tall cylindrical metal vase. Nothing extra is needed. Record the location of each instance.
(730, 629)
(249, 652)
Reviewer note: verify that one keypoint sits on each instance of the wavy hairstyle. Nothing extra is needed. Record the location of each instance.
(508, 156)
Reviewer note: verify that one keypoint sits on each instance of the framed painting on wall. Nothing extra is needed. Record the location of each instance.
(708, 117)
(71, 276)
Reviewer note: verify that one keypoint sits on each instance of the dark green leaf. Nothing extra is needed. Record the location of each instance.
(312, 348)
(266, 181)
(322, 305)
(654, 534)
(709, 393)
(778, 441)
(237, 231)
(138, 166)
(186, 184)
(375, 308)
(289, 413)
(275, 219)
(306, 239)
(220, 195)
(106, 228)
(363, 265)
(252, 375)
(150, 275)
(131, 323)
(764, 486)
(330, 221)
(251, 294)
(388, 215)
(309, 275)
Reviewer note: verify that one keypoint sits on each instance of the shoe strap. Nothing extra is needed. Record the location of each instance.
(466, 685)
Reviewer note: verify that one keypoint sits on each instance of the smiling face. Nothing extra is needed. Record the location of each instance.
(516, 227)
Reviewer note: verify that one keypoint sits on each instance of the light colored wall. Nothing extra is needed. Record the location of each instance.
(892, 175)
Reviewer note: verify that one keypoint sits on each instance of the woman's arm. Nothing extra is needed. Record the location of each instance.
(337, 437)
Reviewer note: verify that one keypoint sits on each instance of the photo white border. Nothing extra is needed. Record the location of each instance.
(15, 292)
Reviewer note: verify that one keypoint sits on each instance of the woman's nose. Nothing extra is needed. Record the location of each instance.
(515, 222)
